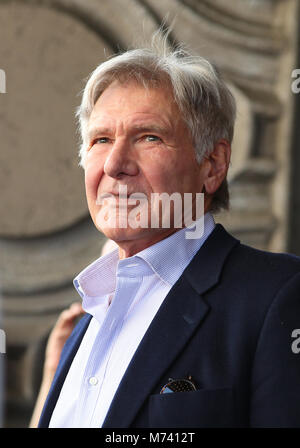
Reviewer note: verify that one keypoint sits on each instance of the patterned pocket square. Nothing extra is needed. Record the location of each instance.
(180, 385)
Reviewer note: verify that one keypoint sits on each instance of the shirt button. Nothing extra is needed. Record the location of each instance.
(93, 381)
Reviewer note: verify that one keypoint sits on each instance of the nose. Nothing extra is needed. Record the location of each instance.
(120, 161)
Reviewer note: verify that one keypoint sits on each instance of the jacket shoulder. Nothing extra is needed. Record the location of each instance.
(251, 258)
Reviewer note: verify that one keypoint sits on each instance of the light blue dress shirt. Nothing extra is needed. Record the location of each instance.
(123, 297)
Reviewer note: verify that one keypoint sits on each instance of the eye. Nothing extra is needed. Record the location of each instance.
(152, 138)
(101, 140)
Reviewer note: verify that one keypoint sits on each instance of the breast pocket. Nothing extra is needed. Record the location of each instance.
(205, 408)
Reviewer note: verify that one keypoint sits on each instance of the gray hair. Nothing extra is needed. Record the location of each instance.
(206, 103)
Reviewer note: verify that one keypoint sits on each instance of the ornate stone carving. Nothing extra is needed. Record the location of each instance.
(46, 236)
(47, 48)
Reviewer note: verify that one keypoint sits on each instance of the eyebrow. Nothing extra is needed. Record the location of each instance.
(93, 132)
(151, 128)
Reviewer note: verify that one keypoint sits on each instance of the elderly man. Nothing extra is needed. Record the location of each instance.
(179, 331)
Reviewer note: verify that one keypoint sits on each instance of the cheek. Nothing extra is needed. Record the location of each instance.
(157, 176)
(159, 163)
(167, 174)
(93, 174)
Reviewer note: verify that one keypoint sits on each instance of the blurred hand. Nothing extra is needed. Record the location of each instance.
(59, 334)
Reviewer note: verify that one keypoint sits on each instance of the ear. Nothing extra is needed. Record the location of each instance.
(217, 166)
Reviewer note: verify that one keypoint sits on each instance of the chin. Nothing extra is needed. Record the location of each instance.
(119, 234)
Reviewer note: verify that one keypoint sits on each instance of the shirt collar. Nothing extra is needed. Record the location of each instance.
(169, 257)
(99, 278)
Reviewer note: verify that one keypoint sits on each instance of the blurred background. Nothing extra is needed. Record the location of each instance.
(47, 49)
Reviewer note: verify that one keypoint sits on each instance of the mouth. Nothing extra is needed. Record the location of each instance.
(116, 196)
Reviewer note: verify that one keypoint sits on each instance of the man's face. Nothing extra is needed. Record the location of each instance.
(139, 141)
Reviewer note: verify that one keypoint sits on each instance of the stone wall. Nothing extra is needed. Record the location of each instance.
(47, 48)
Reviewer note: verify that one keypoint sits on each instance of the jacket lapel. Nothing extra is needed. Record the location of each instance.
(181, 313)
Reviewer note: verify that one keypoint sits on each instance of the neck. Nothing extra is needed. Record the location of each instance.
(128, 248)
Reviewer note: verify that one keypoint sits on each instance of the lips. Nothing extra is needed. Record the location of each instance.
(137, 196)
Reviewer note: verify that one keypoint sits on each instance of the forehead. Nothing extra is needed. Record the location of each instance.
(124, 99)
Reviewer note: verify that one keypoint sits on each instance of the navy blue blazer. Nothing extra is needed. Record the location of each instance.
(227, 322)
